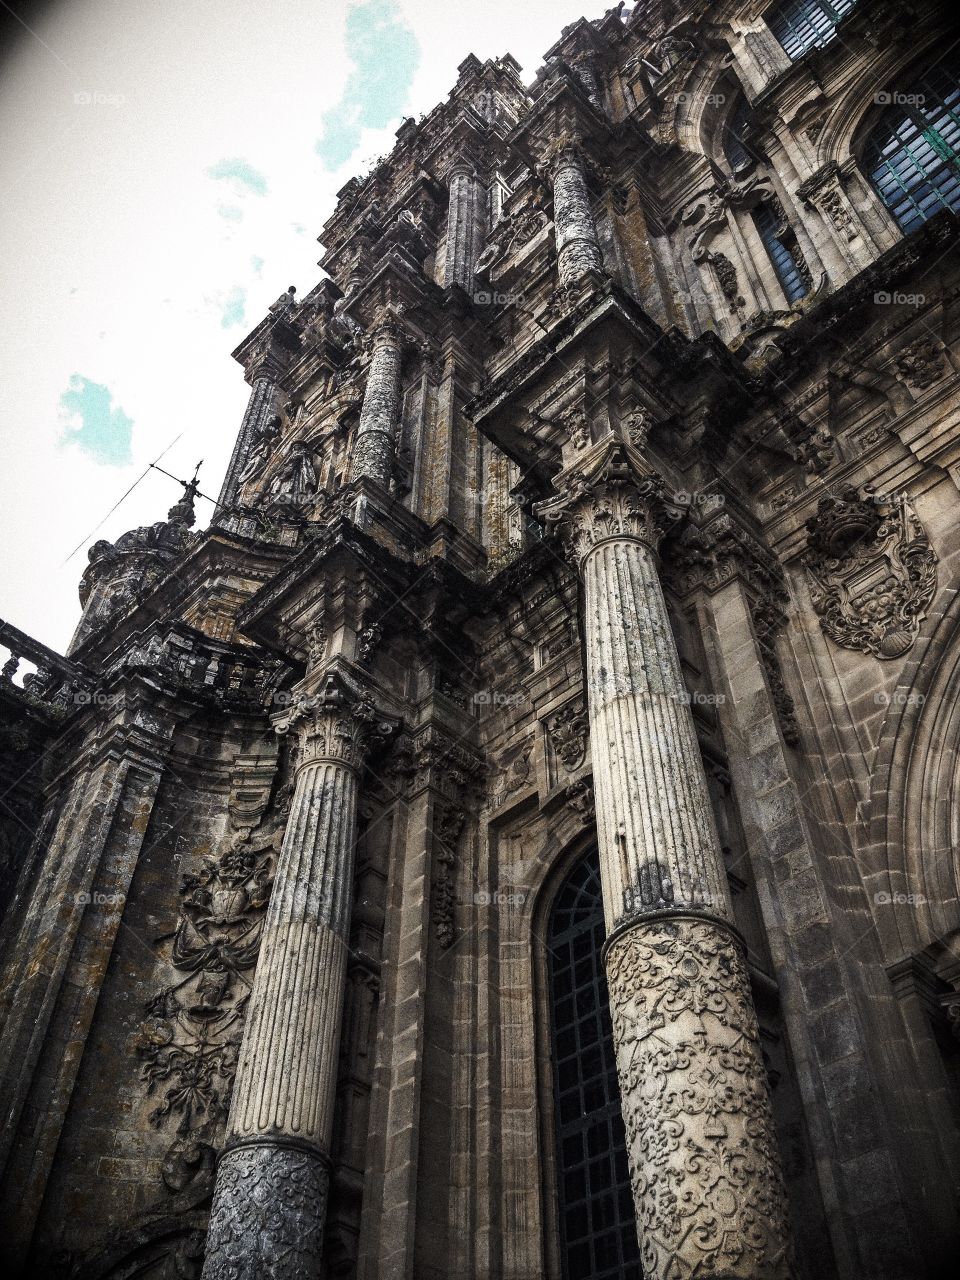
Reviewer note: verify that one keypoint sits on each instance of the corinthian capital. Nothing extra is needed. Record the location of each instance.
(608, 494)
(387, 329)
(339, 724)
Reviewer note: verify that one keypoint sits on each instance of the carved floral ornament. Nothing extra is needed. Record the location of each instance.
(610, 496)
(872, 571)
(569, 731)
(695, 1104)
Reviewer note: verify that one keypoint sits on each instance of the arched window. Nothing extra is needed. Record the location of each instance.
(912, 155)
(598, 1228)
(800, 25)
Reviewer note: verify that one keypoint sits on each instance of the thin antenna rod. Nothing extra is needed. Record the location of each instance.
(85, 540)
(187, 483)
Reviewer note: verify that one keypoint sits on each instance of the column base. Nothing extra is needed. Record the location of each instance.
(704, 1161)
(268, 1215)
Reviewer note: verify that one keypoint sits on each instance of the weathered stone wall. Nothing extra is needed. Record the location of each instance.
(537, 275)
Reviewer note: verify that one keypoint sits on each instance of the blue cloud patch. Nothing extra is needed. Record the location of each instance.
(91, 421)
(233, 307)
(385, 55)
(243, 178)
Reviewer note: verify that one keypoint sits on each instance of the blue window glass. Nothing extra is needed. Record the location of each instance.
(912, 155)
(800, 25)
(783, 250)
(598, 1226)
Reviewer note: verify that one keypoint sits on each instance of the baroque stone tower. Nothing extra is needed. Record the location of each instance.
(518, 837)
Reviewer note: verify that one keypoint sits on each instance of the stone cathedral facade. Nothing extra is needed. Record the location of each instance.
(518, 837)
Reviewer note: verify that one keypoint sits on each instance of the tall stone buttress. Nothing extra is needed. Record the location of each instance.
(705, 1169)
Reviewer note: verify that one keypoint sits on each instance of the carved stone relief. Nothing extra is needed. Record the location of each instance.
(704, 1161)
(191, 1035)
(569, 731)
(872, 570)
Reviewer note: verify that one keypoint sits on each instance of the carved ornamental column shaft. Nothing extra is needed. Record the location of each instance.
(578, 248)
(463, 228)
(261, 404)
(270, 1200)
(703, 1157)
(380, 416)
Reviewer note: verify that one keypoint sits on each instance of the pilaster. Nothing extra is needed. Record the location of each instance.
(463, 236)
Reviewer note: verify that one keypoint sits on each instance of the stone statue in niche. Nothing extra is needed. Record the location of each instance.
(261, 448)
(873, 573)
(296, 481)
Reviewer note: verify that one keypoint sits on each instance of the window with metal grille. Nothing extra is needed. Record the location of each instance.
(912, 155)
(783, 250)
(800, 25)
(598, 1228)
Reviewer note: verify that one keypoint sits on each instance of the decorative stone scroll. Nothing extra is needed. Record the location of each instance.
(872, 570)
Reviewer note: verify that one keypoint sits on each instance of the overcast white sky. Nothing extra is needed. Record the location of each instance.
(166, 166)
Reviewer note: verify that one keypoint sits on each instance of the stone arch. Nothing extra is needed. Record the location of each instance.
(911, 858)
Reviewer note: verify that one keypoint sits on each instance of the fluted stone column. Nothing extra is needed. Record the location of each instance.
(578, 248)
(261, 404)
(269, 1205)
(373, 450)
(463, 227)
(704, 1163)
